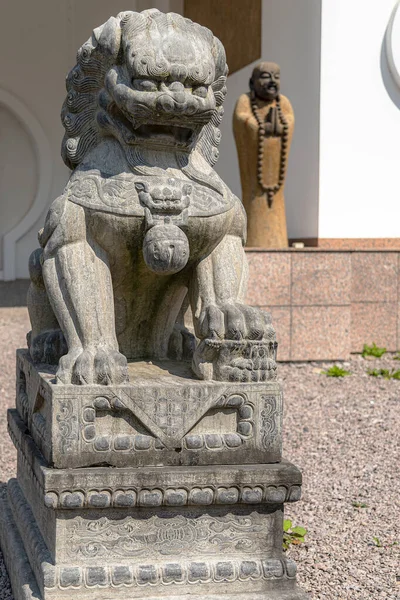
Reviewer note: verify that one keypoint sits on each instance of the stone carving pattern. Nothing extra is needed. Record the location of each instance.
(269, 420)
(22, 401)
(199, 572)
(183, 496)
(175, 536)
(27, 459)
(244, 432)
(155, 497)
(153, 574)
(167, 410)
(85, 497)
(39, 425)
(67, 421)
(36, 549)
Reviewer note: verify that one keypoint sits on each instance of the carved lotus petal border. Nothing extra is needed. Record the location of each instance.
(199, 572)
(185, 496)
(171, 496)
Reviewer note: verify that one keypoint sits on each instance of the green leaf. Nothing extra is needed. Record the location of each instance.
(300, 531)
(377, 541)
(287, 523)
(385, 373)
(373, 372)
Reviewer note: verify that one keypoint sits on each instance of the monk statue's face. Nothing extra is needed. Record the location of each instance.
(265, 81)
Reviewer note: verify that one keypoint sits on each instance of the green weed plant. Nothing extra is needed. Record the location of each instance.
(385, 373)
(373, 350)
(292, 535)
(336, 371)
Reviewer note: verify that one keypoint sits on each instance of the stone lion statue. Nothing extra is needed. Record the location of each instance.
(145, 226)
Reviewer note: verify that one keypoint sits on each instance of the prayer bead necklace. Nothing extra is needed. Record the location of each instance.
(270, 190)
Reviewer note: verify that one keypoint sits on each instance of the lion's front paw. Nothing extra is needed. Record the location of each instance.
(237, 344)
(235, 322)
(104, 366)
(235, 360)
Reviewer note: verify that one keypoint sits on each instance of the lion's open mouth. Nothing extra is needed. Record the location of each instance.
(166, 134)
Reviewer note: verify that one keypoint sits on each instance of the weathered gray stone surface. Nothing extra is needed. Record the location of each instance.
(164, 416)
(135, 531)
(148, 417)
(145, 225)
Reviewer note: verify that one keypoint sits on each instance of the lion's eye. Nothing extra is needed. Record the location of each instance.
(200, 91)
(145, 85)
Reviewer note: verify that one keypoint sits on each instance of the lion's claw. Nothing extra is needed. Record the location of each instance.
(237, 344)
(104, 366)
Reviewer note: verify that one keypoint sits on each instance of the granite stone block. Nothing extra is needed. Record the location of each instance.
(320, 333)
(374, 277)
(374, 322)
(321, 279)
(269, 278)
(359, 244)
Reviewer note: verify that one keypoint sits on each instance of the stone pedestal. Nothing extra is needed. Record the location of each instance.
(161, 488)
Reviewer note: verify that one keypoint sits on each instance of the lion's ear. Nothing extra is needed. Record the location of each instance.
(79, 111)
(218, 51)
(108, 37)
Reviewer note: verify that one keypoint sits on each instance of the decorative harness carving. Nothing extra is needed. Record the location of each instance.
(165, 245)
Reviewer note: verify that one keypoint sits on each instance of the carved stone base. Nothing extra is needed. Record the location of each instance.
(99, 532)
(164, 416)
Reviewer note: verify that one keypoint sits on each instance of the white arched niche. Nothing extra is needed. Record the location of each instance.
(393, 43)
(44, 161)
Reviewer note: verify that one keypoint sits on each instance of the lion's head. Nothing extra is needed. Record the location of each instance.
(146, 77)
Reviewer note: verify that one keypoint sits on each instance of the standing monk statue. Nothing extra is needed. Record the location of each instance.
(263, 124)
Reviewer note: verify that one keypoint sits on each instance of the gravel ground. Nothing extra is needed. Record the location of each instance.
(14, 324)
(344, 435)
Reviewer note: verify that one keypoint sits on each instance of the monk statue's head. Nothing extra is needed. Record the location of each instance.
(265, 81)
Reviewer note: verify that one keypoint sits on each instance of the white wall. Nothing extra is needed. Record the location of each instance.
(290, 37)
(360, 123)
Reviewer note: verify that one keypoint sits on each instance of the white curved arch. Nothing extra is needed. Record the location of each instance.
(45, 164)
(393, 43)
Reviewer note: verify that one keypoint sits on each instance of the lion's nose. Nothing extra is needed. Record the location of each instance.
(176, 89)
(165, 103)
(177, 102)
(177, 86)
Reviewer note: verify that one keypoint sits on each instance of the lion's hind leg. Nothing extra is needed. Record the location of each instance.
(46, 340)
